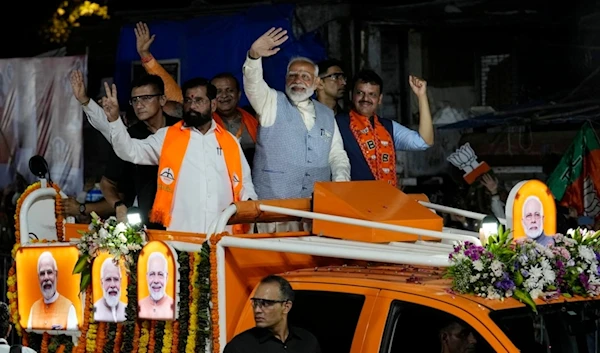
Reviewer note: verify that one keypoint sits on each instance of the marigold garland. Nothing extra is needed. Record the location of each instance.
(144, 337)
(159, 336)
(185, 274)
(12, 274)
(100, 337)
(90, 342)
(45, 341)
(88, 314)
(175, 343)
(214, 292)
(62, 343)
(130, 327)
(151, 337)
(190, 333)
(193, 327)
(203, 335)
(167, 339)
(118, 339)
(111, 333)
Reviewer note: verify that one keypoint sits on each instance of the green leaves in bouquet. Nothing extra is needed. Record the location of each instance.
(590, 238)
(500, 245)
(525, 298)
(84, 267)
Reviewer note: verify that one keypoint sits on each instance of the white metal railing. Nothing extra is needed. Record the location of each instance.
(457, 211)
(417, 253)
(368, 224)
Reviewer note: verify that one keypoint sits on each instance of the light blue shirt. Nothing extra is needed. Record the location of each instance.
(406, 139)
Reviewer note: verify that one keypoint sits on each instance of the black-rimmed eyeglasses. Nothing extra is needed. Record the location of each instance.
(144, 99)
(338, 76)
(265, 303)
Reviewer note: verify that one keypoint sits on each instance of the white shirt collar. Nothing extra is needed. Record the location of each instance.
(51, 300)
(302, 104)
(3, 341)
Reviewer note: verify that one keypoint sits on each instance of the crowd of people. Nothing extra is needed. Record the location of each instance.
(182, 170)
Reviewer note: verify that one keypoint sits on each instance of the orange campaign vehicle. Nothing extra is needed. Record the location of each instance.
(379, 272)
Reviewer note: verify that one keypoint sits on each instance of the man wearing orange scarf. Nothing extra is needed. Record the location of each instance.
(201, 166)
(229, 115)
(370, 141)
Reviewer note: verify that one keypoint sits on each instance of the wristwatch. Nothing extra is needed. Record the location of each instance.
(82, 208)
(118, 203)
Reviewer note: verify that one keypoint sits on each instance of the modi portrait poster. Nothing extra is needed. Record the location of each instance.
(109, 283)
(531, 212)
(51, 301)
(157, 282)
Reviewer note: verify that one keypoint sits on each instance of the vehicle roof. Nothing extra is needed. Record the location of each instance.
(417, 280)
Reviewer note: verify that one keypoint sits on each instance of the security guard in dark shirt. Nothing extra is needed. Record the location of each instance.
(272, 302)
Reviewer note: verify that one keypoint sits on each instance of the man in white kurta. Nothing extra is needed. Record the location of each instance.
(299, 142)
(203, 189)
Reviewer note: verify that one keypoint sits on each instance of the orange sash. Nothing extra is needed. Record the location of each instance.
(171, 156)
(376, 145)
(248, 121)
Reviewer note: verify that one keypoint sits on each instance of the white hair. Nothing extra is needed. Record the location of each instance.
(109, 261)
(47, 255)
(157, 255)
(536, 199)
(305, 60)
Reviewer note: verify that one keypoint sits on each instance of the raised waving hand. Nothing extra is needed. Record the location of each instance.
(268, 44)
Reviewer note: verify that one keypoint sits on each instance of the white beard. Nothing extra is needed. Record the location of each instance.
(156, 296)
(48, 293)
(534, 234)
(297, 97)
(111, 301)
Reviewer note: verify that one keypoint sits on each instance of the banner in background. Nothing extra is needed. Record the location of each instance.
(208, 45)
(39, 115)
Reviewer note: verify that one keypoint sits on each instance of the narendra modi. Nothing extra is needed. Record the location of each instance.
(110, 308)
(158, 305)
(53, 311)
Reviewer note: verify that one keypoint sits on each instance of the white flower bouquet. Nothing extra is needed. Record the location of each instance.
(119, 239)
(533, 268)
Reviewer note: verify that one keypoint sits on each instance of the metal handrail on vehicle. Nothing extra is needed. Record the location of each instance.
(417, 253)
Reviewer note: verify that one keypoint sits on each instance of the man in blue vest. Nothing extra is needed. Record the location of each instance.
(370, 141)
(298, 140)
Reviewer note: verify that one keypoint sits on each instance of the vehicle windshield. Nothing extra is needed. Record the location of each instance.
(564, 328)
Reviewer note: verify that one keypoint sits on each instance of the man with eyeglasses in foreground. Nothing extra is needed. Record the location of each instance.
(272, 302)
(126, 184)
(332, 85)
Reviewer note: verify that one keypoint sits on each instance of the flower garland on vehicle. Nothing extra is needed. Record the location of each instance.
(130, 327)
(186, 274)
(135, 336)
(214, 291)
(119, 239)
(203, 282)
(527, 270)
(12, 273)
(193, 327)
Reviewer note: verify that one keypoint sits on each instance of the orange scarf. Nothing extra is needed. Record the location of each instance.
(376, 145)
(171, 156)
(248, 121)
